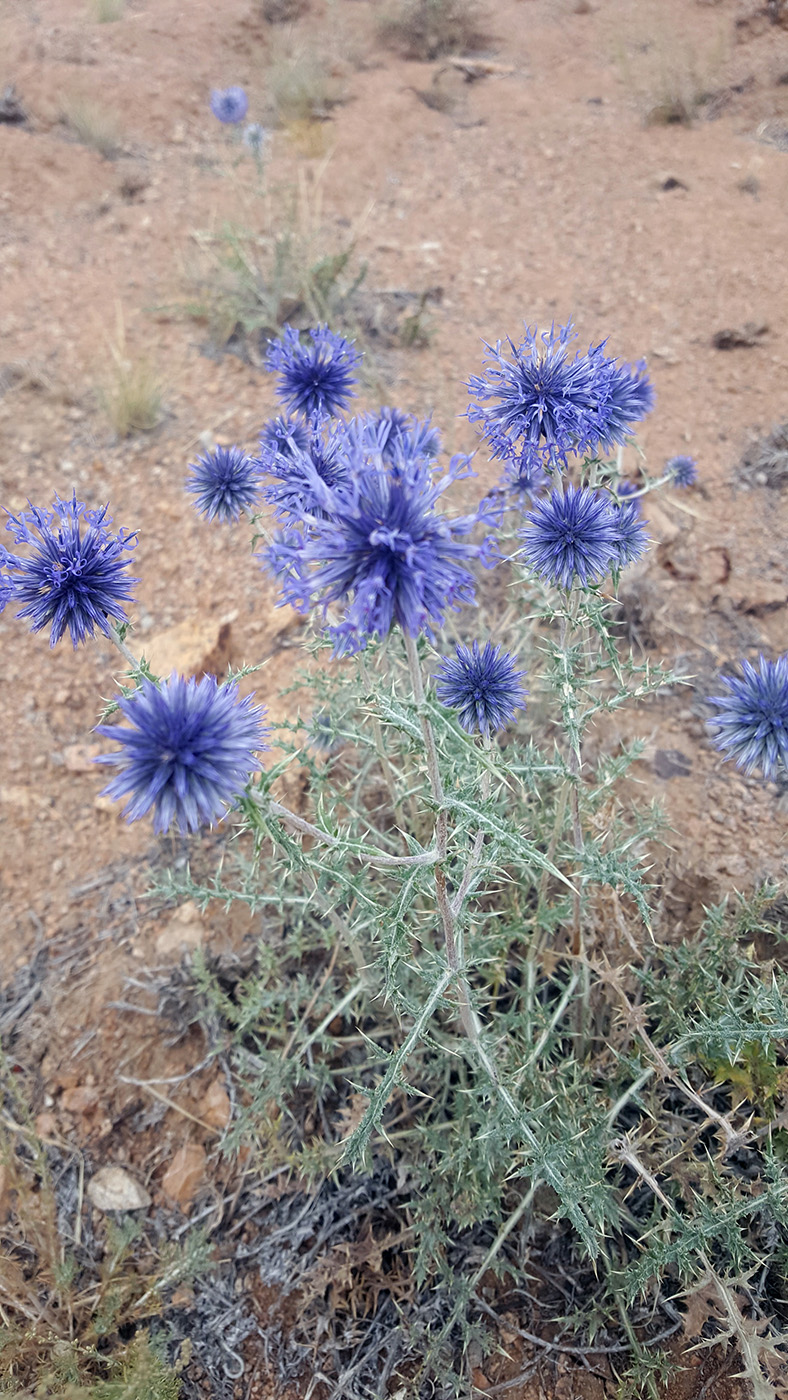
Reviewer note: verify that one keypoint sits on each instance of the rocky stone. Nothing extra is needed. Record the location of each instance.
(197, 647)
(81, 1099)
(184, 1174)
(46, 1125)
(215, 1108)
(185, 929)
(113, 1188)
(79, 758)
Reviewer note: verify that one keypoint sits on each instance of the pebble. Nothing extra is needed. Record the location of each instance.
(113, 1188)
(184, 1174)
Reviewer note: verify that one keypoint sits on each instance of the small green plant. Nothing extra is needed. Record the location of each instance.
(107, 11)
(301, 272)
(428, 29)
(76, 1295)
(94, 125)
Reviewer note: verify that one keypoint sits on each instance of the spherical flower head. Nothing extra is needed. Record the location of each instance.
(400, 436)
(224, 483)
(297, 477)
(523, 478)
(570, 537)
(626, 395)
(315, 379)
(484, 687)
(187, 753)
(75, 575)
(255, 139)
(541, 399)
(752, 726)
(625, 487)
(682, 471)
(284, 435)
(631, 537)
(382, 552)
(229, 105)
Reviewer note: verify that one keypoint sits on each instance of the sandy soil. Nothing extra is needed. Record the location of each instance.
(539, 190)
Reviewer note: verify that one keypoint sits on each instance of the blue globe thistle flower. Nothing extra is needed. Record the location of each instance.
(399, 435)
(626, 487)
(298, 476)
(524, 477)
(483, 686)
(188, 752)
(75, 576)
(315, 379)
(626, 396)
(229, 105)
(570, 537)
(255, 138)
(282, 435)
(682, 471)
(752, 726)
(382, 552)
(631, 537)
(546, 402)
(224, 483)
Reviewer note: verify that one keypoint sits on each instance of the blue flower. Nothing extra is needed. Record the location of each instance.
(626, 395)
(682, 471)
(188, 753)
(571, 537)
(316, 379)
(631, 537)
(381, 551)
(399, 435)
(483, 686)
(626, 487)
(75, 577)
(524, 477)
(284, 435)
(542, 400)
(224, 483)
(752, 726)
(229, 105)
(298, 475)
(256, 138)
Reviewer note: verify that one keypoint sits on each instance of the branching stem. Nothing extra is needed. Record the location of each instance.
(446, 908)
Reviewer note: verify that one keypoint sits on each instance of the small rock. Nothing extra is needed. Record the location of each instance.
(11, 109)
(81, 1099)
(197, 647)
(215, 1108)
(78, 758)
(183, 1297)
(112, 1188)
(739, 337)
(46, 1125)
(186, 929)
(671, 763)
(184, 1174)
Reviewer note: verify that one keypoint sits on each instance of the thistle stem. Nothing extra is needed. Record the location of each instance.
(446, 909)
(126, 652)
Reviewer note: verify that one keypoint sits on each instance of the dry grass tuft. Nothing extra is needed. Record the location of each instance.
(284, 11)
(303, 86)
(765, 462)
(131, 395)
(428, 29)
(93, 125)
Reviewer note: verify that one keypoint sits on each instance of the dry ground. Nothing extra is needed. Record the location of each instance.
(552, 185)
